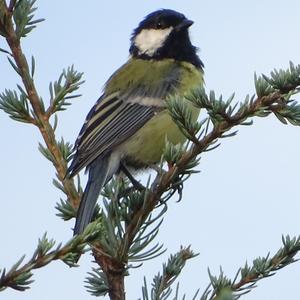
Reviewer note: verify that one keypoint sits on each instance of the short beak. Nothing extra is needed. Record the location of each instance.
(184, 25)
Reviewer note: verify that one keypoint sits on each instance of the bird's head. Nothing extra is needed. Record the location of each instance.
(164, 34)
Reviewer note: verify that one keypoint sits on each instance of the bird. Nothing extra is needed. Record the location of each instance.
(128, 126)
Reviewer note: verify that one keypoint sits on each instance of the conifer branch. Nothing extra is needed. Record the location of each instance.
(130, 218)
(223, 118)
(16, 21)
(270, 99)
(162, 282)
(19, 277)
(248, 276)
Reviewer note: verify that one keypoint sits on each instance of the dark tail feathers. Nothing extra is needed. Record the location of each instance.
(98, 176)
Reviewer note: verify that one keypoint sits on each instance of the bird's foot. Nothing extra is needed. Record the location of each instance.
(136, 184)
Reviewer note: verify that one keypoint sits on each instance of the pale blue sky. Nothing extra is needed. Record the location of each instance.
(246, 195)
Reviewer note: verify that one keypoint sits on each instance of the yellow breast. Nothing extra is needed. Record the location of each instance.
(146, 146)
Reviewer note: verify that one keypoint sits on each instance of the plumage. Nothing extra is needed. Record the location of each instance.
(149, 40)
(98, 173)
(129, 123)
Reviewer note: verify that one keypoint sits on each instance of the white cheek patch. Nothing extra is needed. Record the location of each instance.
(149, 40)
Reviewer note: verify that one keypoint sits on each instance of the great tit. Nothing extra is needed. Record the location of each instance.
(129, 124)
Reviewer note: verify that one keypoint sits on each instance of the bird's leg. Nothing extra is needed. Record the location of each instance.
(134, 182)
(159, 173)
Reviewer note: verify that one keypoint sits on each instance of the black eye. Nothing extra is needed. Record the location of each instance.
(159, 25)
